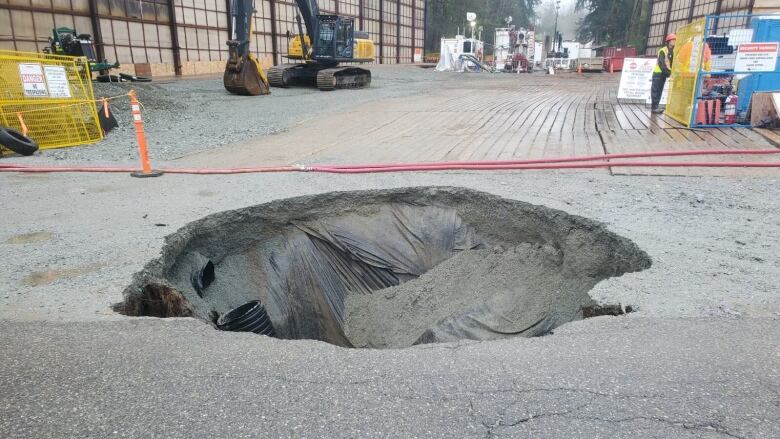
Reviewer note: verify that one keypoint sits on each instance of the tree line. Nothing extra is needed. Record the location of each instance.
(446, 16)
(615, 22)
(605, 22)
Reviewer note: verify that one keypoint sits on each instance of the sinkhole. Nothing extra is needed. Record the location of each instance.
(387, 268)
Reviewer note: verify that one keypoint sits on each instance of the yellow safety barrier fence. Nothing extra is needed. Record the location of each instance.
(685, 70)
(50, 97)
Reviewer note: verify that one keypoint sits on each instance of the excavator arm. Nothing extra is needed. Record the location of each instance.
(243, 73)
(309, 11)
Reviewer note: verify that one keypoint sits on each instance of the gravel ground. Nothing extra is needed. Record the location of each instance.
(74, 241)
(174, 112)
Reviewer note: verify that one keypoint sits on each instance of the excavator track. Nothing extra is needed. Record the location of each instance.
(343, 77)
(280, 76)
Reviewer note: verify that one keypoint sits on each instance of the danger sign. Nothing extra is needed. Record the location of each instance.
(33, 82)
(635, 79)
(756, 57)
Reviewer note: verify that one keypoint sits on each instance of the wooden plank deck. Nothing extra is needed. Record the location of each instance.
(504, 118)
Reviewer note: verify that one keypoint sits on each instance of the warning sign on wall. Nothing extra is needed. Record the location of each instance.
(57, 81)
(756, 57)
(418, 55)
(33, 83)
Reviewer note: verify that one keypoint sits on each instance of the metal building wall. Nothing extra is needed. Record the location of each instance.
(166, 37)
(667, 15)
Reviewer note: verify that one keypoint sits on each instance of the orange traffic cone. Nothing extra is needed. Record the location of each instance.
(579, 68)
(143, 150)
(611, 67)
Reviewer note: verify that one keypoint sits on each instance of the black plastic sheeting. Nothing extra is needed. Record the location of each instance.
(313, 266)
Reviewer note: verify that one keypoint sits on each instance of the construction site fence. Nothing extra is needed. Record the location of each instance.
(685, 71)
(739, 58)
(720, 63)
(48, 97)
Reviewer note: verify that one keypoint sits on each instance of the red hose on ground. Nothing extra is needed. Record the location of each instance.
(565, 165)
(628, 155)
(211, 171)
(597, 161)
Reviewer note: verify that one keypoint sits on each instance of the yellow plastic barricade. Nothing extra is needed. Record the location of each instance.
(50, 97)
(685, 70)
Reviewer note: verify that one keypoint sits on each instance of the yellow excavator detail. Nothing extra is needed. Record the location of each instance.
(295, 49)
(243, 73)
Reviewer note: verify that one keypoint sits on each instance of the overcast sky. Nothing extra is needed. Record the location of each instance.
(565, 4)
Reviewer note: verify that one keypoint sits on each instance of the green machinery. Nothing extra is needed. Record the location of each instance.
(66, 41)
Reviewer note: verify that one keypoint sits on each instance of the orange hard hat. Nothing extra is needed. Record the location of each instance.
(671, 37)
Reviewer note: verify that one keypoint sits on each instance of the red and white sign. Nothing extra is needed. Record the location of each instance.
(636, 77)
(418, 55)
(756, 57)
(33, 82)
(636, 80)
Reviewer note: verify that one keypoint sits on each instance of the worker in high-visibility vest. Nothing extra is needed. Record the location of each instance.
(663, 69)
(686, 59)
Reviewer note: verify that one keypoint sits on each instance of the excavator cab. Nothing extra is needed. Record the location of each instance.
(336, 38)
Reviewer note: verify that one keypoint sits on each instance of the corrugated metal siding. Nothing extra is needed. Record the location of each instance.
(191, 34)
(668, 15)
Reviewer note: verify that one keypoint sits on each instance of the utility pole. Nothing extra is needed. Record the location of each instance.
(555, 33)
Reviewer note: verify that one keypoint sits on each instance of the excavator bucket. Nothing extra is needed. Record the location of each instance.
(248, 80)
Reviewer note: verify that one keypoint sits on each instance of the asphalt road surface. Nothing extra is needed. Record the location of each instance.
(606, 377)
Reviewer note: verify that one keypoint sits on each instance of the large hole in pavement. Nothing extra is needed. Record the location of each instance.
(388, 269)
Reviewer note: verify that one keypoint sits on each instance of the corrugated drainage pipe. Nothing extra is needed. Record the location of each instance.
(249, 317)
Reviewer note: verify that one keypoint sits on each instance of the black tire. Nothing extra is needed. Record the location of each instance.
(133, 78)
(109, 78)
(17, 142)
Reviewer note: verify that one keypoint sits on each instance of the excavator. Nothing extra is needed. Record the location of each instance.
(243, 73)
(328, 41)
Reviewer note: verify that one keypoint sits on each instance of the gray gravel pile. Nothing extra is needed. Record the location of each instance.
(190, 115)
(523, 284)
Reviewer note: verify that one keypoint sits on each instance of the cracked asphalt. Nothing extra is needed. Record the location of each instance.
(608, 377)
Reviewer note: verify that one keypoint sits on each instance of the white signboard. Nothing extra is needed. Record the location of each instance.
(57, 80)
(418, 55)
(33, 83)
(756, 57)
(636, 78)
